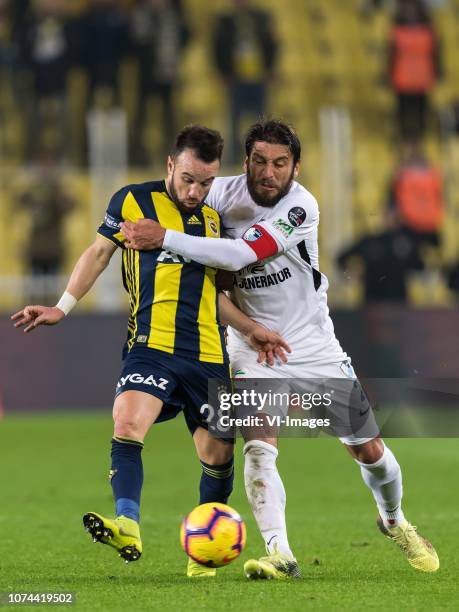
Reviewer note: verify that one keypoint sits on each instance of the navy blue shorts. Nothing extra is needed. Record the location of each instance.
(179, 382)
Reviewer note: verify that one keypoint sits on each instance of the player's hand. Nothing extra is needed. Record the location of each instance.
(224, 280)
(33, 316)
(144, 235)
(268, 344)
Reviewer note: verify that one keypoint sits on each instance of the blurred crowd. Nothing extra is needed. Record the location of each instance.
(43, 41)
(414, 211)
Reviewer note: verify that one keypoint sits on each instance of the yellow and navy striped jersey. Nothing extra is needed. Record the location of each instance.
(173, 301)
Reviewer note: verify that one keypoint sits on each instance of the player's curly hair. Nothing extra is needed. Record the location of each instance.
(206, 144)
(273, 131)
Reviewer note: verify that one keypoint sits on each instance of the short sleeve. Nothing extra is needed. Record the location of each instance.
(290, 223)
(110, 227)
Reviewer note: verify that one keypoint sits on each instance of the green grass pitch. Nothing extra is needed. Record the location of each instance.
(55, 467)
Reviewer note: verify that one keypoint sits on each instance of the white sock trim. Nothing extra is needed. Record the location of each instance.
(260, 444)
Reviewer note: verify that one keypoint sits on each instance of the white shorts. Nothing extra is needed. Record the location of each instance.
(244, 365)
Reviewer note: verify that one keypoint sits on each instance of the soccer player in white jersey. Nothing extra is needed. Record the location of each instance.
(271, 226)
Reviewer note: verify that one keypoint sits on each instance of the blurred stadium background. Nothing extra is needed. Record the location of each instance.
(72, 131)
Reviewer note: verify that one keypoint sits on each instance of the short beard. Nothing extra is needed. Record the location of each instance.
(174, 197)
(268, 202)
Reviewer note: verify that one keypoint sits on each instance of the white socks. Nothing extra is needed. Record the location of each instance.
(266, 494)
(384, 478)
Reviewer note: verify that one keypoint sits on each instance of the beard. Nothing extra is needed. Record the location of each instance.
(174, 197)
(267, 201)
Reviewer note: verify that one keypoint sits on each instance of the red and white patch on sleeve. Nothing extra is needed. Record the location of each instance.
(260, 241)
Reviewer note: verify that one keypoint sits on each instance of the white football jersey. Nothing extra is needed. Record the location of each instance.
(286, 292)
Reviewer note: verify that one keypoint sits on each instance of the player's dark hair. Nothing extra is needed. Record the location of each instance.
(273, 131)
(206, 144)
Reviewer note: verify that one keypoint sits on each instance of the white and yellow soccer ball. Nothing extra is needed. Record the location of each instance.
(213, 534)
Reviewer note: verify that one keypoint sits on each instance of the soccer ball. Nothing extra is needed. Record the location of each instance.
(213, 534)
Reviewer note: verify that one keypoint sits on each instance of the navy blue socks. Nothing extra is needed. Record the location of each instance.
(126, 476)
(216, 482)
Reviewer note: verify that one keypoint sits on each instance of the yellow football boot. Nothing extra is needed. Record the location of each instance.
(420, 553)
(196, 570)
(273, 567)
(122, 533)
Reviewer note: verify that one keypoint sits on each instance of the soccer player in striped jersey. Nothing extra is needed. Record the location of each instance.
(272, 221)
(175, 339)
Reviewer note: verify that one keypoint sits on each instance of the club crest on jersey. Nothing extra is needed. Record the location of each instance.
(212, 225)
(252, 234)
(296, 216)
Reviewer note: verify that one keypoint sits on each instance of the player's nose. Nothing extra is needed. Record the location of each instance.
(268, 171)
(195, 193)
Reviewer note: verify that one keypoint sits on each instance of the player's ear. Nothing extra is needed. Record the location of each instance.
(246, 164)
(296, 169)
(170, 164)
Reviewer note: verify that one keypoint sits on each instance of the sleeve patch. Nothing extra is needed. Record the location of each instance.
(260, 241)
(284, 228)
(296, 216)
(111, 221)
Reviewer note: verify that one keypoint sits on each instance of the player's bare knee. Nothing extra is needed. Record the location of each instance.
(218, 457)
(368, 453)
(127, 424)
(128, 428)
(212, 450)
(265, 432)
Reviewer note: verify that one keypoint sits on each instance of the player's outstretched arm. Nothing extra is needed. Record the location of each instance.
(261, 241)
(223, 253)
(33, 316)
(267, 343)
(85, 273)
